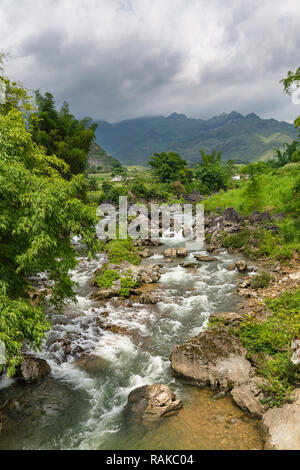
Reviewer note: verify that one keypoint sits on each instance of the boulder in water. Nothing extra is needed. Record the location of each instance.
(205, 258)
(33, 369)
(214, 357)
(241, 266)
(148, 404)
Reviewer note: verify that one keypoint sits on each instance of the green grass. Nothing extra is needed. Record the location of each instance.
(277, 193)
(121, 250)
(273, 337)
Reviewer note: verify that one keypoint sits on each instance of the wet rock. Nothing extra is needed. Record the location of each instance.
(282, 426)
(241, 266)
(245, 284)
(214, 357)
(117, 329)
(226, 317)
(205, 258)
(145, 254)
(147, 242)
(145, 274)
(189, 264)
(247, 397)
(149, 298)
(33, 369)
(148, 404)
(182, 252)
(170, 253)
(103, 294)
(92, 363)
(231, 267)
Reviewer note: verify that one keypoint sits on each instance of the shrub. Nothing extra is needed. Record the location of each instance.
(127, 283)
(106, 278)
(122, 250)
(261, 280)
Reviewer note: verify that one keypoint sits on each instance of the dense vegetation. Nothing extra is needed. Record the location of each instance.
(40, 212)
(61, 134)
(270, 341)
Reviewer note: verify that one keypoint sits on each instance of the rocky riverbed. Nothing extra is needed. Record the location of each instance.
(103, 348)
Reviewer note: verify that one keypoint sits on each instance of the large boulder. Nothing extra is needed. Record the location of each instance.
(232, 215)
(149, 298)
(148, 404)
(214, 357)
(282, 426)
(176, 252)
(241, 266)
(247, 397)
(204, 258)
(226, 317)
(33, 369)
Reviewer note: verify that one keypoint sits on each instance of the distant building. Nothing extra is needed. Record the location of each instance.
(236, 177)
(117, 179)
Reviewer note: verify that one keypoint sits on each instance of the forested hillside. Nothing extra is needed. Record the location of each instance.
(242, 138)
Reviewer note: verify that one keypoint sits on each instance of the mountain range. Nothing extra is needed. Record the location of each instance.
(242, 138)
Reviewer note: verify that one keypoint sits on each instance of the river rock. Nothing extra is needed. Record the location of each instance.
(282, 426)
(226, 317)
(247, 395)
(170, 253)
(33, 369)
(148, 404)
(241, 266)
(231, 267)
(102, 294)
(149, 298)
(214, 357)
(245, 284)
(205, 258)
(92, 363)
(145, 253)
(182, 252)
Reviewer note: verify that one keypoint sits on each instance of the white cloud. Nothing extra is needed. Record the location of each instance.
(117, 59)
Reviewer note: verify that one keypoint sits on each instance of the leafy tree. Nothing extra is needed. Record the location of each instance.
(170, 167)
(254, 191)
(12, 94)
(39, 214)
(61, 134)
(213, 158)
(212, 175)
(290, 154)
(212, 178)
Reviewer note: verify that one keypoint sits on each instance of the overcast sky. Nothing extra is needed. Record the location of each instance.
(119, 59)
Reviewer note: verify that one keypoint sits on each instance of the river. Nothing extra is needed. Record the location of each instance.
(81, 405)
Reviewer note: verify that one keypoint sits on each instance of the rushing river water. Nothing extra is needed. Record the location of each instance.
(81, 405)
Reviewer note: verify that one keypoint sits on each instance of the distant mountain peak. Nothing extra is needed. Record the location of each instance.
(177, 115)
(252, 116)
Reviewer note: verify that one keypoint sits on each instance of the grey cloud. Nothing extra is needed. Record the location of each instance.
(118, 59)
